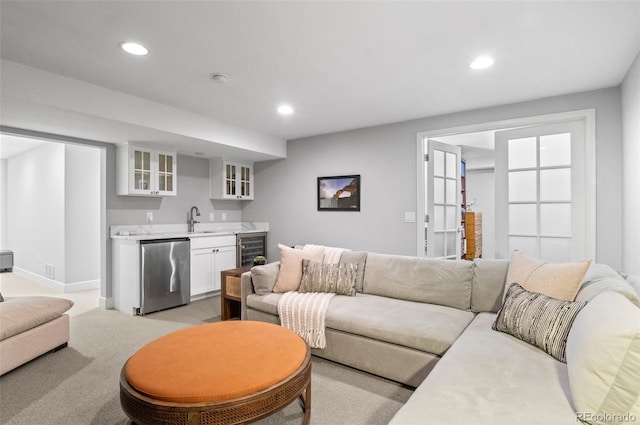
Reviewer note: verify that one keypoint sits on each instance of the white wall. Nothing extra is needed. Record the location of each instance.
(35, 185)
(385, 156)
(82, 213)
(54, 214)
(631, 169)
(4, 241)
(480, 185)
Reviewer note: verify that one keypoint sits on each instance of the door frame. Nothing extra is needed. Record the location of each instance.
(587, 116)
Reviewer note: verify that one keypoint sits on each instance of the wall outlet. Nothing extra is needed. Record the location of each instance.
(224, 216)
(211, 217)
(149, 217)
(50, 271)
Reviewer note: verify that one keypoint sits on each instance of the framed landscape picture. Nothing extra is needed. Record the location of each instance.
(339, 193)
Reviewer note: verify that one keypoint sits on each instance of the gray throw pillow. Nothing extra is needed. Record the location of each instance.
(264, 277)
(539, 320)
(338, 278)
(360, 259)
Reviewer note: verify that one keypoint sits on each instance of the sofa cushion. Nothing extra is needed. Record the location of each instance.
(264, 277)
(557, 280)
(23, 313)
(489, 377)
(359, 258)
(603, 359)
(267, 303)
(337, 278)
(426, 327)
(442, 282)
(601, 278)
(291, 265)
(542, 321)
(489, 277)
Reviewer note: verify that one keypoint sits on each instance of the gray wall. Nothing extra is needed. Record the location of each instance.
(385, 156)
(193, 189)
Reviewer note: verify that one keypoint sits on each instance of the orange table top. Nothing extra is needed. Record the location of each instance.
(215, 362)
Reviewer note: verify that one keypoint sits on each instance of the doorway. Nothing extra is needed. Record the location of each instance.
(53, 213)
(481, 176)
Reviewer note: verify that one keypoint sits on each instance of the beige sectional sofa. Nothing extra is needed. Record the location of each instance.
(30, 327)
(428, 324)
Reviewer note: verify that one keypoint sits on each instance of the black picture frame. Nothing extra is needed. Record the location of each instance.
(339, 193)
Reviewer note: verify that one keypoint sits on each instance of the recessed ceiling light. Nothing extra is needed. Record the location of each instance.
(134, 48)
(481, 63)
(285, 110)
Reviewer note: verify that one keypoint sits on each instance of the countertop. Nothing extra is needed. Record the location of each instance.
(167, 231)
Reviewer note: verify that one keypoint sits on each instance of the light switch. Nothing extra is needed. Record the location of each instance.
(409, 217)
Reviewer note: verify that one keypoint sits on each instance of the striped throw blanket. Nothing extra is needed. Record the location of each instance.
(304, 314)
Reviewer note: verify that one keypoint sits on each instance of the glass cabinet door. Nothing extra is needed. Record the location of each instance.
(245, 181)
(142, 170)
(230, 180)
(166, 173)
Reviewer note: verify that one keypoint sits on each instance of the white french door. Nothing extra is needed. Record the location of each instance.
(442, 201)
(541, 192)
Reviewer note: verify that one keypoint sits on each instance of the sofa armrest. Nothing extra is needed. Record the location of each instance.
(634, 281)
(246, 289)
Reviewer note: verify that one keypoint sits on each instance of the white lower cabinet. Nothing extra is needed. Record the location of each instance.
(209, 256)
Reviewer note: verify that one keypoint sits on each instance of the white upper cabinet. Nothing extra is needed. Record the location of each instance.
(230, 180)
(143, 171)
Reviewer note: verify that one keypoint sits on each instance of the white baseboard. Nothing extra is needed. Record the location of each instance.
(55, 285)
(107, 303)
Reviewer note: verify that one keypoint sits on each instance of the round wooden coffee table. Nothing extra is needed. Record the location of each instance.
(221, 373)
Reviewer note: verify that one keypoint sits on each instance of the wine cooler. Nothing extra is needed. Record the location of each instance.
(250, 245)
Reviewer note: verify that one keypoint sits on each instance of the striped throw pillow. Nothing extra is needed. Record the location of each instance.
(339, 278)
(539, 320)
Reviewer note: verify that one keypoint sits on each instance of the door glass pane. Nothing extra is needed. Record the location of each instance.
(451, 243)
(523, 219)
(452, 195)
(438, 244)
(146, 161)
(169, 163)
(137, 161)
(555, 219)
(169, 186)
(555, 185)
(522, 153)
(522, 186)
(438, 219)
(438, 163)
(555, 149)
(555, 249)
(142, 180)
(452, 170)
(528, 245)
(161, 182)
(451, 218)
(162, 163)
(438, 190)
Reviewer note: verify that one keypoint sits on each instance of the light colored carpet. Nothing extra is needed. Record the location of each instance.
(79, 384)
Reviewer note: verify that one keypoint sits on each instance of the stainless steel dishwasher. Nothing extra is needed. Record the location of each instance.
(165, 274)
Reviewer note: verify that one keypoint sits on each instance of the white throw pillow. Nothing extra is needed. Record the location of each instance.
(603, 361)
(291, 265)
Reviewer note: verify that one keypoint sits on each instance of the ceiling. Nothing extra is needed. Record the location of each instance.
(340, 65)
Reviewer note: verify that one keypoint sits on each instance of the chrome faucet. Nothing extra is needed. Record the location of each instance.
(191, 222)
